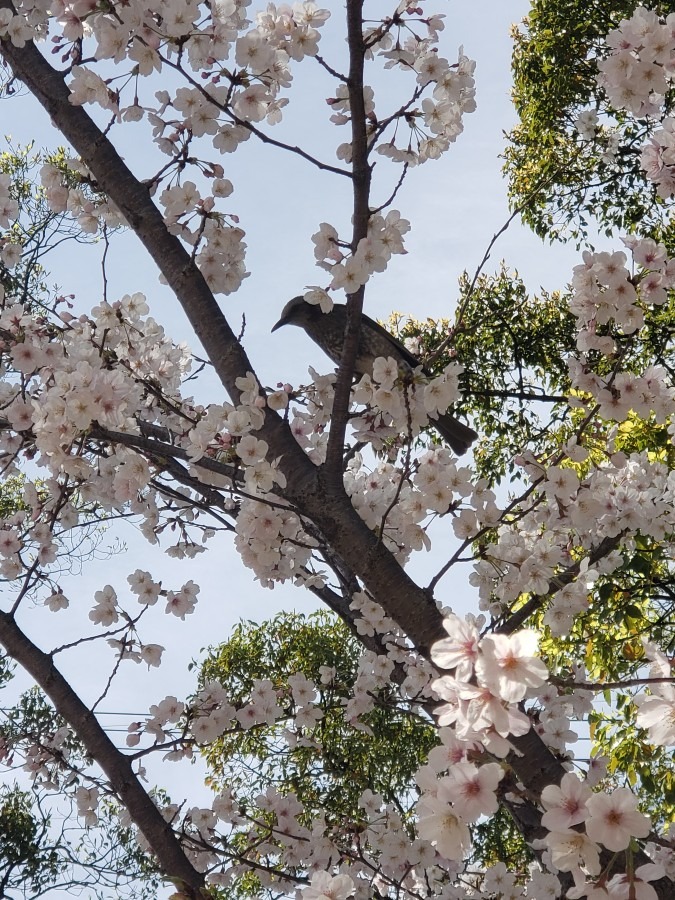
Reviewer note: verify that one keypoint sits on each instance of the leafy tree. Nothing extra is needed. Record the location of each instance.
(567, 183)
(26, 860)
(38, 229)
(329, 764)
(332, 763)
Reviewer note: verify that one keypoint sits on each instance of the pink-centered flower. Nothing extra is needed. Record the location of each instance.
(634, 886)
(657, 714)
(440, 825)
(565, 805)
(572, 849)
(614, 819)
(328, 887)
(472, 790)
(459, 651)
(507, 664)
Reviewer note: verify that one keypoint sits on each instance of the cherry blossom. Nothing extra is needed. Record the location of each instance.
(565, 804)
(472, 790)
(460, 650)
(613, 819)
(508, 666)
(326, 887)
(439, 824)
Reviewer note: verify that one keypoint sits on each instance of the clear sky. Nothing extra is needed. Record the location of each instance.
(454, 205)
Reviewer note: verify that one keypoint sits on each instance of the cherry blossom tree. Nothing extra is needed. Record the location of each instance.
(332, 485)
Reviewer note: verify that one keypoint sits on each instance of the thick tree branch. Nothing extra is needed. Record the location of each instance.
(116, 766)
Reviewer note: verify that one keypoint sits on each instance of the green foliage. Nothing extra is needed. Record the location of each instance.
(39, 851)
(11, 491)
(42, 846)
(28, 861)
(7, 667)
(512, 348)
(497, 839)
(634, 762)
(331, 763)
(566, 185)
(33, 716)
(327, 765)
(635, 602)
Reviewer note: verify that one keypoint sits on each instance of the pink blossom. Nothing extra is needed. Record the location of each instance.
(614, 819)
(634, 886)
(573, 849)
(442, 827)
(565, 805)
(472, 790)
(507, 665)
(327, 887)
(459, 651)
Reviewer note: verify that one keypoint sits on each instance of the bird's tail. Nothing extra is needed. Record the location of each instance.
(459, 436)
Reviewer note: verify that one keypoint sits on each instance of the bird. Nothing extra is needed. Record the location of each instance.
(328, 331)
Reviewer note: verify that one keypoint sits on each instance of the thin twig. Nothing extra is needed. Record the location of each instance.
(394, 192)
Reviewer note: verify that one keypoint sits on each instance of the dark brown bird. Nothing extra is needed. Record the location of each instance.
(328, 331)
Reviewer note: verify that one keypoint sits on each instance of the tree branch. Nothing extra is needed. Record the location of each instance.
(517, 619)
(360, 216)
(116, 766)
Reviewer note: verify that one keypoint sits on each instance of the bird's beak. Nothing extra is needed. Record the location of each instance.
(281, 322)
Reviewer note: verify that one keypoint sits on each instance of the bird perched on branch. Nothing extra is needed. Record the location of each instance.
(328, 331)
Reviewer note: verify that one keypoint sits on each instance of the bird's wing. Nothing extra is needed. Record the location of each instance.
(403, 351)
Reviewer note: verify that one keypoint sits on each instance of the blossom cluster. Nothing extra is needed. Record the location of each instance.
(488, 680)
(272, 542)
(349, 272)
(609, 819)
(637, 71)
(491, 675)
(637, 75)
(398, 506)
(213, 237)
(225, 105)
(412, 46)
(194, 39)
(114, 371)
(9, 207)
(656, 710)
(632, 493)
(609, 304)
(63, 194)
(175, 727)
